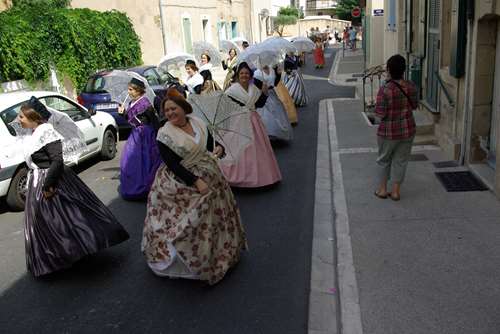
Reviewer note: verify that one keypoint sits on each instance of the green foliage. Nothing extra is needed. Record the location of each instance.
(344, 7)
(53, 3)
(76, 41)
(289, 11)
(286, 16)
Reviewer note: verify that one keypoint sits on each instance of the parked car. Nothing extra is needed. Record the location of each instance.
(100, 130)
(94, 97)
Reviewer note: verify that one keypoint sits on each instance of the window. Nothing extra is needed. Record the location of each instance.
(65, 106)
(204, 25)
(234, 29)
(94, 85)
(10, 115)
(391, 18)
(186, 28)
(221, 29)
(165, 77)
(152, 77)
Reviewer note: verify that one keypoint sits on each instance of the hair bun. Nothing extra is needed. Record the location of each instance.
(172, 92)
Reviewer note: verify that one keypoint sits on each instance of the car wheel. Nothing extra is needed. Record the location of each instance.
(108, 148)
(16, 197)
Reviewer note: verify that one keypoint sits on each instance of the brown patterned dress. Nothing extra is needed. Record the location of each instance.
(187, 234)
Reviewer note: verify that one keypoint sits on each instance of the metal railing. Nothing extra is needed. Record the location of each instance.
(372, 76)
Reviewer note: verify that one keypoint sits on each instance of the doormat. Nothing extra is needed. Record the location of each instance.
(460, 181)
(418, 157)
(445, 164)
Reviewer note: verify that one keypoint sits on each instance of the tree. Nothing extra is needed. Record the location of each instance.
(344, 7)
(286, 16)
(52, 3)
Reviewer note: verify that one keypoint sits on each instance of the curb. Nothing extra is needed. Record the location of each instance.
(333, 301)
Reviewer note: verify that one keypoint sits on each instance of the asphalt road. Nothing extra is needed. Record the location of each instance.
(115, 292)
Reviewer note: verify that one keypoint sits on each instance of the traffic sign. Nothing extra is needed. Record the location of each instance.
(356, 12)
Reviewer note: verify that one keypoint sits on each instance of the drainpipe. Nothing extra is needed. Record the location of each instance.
(467, 128)
(162, 26)
(251, 20)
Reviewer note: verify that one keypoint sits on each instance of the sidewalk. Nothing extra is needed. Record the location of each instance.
(427, 264)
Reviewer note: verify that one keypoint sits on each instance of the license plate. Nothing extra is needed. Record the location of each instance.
(105, 106)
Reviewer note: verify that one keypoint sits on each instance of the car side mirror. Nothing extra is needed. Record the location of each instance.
(92, 111)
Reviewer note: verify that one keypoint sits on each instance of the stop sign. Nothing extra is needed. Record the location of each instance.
(356, 12)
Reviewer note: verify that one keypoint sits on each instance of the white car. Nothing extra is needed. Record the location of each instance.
(99, 128)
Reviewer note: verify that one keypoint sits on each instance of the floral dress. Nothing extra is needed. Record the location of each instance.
(187, 234)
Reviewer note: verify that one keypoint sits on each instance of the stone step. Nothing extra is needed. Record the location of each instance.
(425, 140)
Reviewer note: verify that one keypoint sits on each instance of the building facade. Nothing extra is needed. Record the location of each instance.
(320, 7)
(453, 52)
(174, 25)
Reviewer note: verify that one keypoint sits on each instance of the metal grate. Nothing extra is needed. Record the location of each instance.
(446, 164)
(460, 181)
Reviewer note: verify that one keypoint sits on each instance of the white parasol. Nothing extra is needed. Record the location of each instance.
(116, 84)
(259, 55)
(303, 44)
(200, 48)
(226, 45)
(279, 44)
(174, 59)
(228, 122)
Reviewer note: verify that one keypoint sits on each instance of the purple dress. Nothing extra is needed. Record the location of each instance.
(141, 156)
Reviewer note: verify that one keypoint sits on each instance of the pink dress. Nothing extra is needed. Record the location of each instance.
(257, 165)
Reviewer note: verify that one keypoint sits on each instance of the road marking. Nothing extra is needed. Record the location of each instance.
(358, 150)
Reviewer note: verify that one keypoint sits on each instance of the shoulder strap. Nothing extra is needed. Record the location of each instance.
(404, 93)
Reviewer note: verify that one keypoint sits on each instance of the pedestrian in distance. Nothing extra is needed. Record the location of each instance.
(396, 100)
(194, 81)
(192, 227)
(230, 65)
(273, 113)
(209, 84)
(293, 80)
(353, 38)
(245, 45)
(345, 37)
(140, 158)
(63, 219)
(319, 54)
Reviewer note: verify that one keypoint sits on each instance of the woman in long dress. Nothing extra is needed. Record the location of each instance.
(64, 220)
(230, 65)
(194, 82)
(140, 158)
(319, 54)
(192, 227)
(209, 84)
(257, 165)
(273, 113)
(293, 80)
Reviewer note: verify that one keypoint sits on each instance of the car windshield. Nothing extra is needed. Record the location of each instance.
(165, 77)
(95, 85)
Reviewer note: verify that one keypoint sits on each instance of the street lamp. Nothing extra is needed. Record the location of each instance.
(264, 13)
